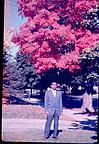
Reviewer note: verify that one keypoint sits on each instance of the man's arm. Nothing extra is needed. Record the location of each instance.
(61, 104)
(46, 101)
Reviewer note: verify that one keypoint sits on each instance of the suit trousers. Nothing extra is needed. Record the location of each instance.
(55, 116)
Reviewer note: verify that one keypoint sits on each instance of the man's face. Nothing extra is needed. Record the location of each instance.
(53, 85)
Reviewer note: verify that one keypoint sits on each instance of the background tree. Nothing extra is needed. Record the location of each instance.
(88, 75)
(91, 20)
(6, 58)
(88, 61)
(7, 45)
(21, 75)
(55, 32)
(29, 77)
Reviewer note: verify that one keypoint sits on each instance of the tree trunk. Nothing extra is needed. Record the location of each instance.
(31, 92)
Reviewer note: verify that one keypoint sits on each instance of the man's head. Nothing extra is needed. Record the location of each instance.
(54, 85)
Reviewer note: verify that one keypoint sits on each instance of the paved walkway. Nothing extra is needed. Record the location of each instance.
(77, 128)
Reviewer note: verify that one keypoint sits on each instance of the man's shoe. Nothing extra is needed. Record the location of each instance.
(46, 137)
(54, 137)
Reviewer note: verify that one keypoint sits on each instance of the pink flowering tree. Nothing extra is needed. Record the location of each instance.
(55, 32)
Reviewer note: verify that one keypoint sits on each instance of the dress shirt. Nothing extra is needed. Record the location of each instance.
(54, 92)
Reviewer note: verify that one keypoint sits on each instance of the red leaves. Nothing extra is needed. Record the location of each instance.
(85, 4)
(60, 64)
(44, 64)
(42, 36)
(87, 40)
(45, 47)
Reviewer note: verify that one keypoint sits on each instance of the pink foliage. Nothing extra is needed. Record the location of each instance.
(42, 36)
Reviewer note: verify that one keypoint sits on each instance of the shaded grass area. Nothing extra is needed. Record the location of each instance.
(69, 101)
(19, 101)
(76, 102)
(88, 124)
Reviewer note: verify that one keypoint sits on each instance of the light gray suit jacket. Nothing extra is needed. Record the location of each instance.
(53, 103)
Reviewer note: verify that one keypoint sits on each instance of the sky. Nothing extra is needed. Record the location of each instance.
(12, 19)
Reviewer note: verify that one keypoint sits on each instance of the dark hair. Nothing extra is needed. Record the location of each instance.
(53, 83)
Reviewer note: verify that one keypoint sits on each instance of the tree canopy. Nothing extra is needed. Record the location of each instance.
(56, 32)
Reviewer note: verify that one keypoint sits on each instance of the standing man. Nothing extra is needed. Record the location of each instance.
(53, 108)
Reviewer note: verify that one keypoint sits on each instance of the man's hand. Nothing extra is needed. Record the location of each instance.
(61, 113)
(46, 112)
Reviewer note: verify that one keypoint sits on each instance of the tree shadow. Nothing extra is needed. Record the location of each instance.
(89, 124)
(88, 112)
(71, 102)
(16, 100)
(95, 103)
(94, 137)
(68, 101)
